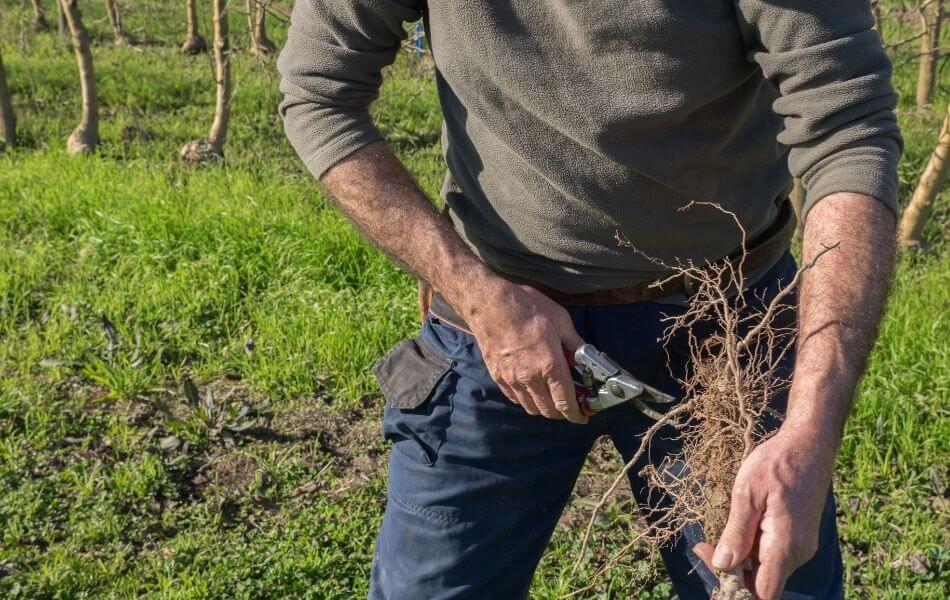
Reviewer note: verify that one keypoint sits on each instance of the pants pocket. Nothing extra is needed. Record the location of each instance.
(417, 382)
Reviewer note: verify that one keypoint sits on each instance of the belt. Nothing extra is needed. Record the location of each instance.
(762, 248)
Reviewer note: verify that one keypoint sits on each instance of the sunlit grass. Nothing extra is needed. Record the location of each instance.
(244, 275)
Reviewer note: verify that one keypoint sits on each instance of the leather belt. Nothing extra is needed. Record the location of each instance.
(765, 246)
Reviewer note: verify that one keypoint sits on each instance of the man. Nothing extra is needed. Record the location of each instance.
(570, 126)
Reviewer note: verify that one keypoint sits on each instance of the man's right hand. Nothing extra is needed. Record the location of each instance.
(519, 330)
(522, 335)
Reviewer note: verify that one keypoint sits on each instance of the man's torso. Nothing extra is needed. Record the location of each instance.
(575, 132)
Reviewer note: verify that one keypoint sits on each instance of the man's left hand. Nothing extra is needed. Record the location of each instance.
(776, 507)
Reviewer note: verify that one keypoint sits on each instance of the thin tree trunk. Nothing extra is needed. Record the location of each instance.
(931, 14)
(257, 26)
(931, 182)
(86, 135)
(798, 204)
(115, 19)
(61, 26)
(213, 147)
(222, 75)
(7, 116)
(39, 17)
(194, 43)
(876, 10)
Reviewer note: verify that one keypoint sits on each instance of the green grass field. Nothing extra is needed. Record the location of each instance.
(125, 275)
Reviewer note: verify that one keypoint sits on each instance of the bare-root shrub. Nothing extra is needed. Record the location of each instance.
(738, 345)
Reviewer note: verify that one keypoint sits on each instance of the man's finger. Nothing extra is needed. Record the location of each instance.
(519, 397)
(705, 553)
(775, 562)
(745, 571)
(542, 398)
(561, 388)
(770, 579)
(530, 406)
(566, 402)
(570, 339)
(739, 534)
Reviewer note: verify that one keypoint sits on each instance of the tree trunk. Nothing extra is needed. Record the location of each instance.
(115, 19)
(798, 204)
(39, 17)
(85, 137)
(878, 12)
(931, 182)
(213, 148)
(257, 26)
(61, 26)
(222, 76)
(7, 117)
(931, 14)
(194, 43)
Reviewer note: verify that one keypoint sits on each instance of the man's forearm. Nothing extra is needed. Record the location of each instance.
(378, 195)
(841, 301)
(780, 490)
(520, 331)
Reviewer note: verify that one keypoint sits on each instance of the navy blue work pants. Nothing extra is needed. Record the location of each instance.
(477, 485)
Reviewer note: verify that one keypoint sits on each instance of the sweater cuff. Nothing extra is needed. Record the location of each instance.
(341, 146)
(868, 171)
(325, 135)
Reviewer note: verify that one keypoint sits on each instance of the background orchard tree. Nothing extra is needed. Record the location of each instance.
(39, 16)
(115, 19)
(194, 43)
(931, 14)
(212, 148)
(61, 26)
(7, 118)
(877, 12)
(931, 182)
(257, 25)
(85, 137)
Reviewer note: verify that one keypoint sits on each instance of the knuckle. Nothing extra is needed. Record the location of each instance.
(774, 556)
(734, 530)
(741, 492)
(523, 375)
(547, 366)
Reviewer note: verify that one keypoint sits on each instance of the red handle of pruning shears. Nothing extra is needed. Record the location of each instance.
(580, 390)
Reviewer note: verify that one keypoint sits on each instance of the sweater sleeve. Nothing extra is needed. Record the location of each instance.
(331, 70)
(835, 93)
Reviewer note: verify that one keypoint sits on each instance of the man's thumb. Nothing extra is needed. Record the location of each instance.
(739, 534)
(570, 338)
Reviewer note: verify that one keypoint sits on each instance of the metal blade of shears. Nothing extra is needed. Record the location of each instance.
(607, 384)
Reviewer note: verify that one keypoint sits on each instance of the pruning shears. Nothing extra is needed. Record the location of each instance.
(605, 384)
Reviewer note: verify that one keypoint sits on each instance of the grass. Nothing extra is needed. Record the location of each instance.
(125, 273)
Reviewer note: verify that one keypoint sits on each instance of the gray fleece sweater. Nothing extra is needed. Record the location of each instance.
(571, 125)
